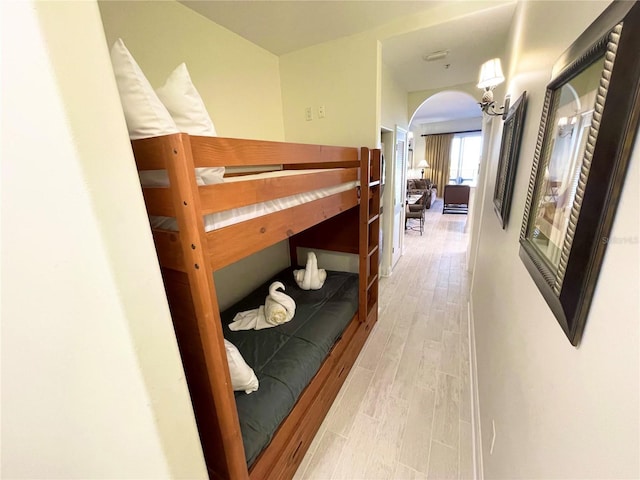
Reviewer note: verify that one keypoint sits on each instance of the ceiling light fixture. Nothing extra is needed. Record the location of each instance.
(433, 56)
(491, 76)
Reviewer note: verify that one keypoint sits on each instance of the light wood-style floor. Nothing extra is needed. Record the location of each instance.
(404, 411)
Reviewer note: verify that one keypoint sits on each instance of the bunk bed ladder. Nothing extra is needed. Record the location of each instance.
(369, 234)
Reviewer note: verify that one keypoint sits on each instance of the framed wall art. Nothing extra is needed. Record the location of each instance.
(508, 160)
(589, 121)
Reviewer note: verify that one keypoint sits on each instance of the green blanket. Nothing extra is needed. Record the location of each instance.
(285, 358)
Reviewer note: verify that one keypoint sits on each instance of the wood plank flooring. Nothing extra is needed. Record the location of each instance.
(404, 411)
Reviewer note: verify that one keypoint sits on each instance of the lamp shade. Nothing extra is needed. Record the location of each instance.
(423, 164)
(490, 74)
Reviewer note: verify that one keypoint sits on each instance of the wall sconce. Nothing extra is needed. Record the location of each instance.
(423, 164)
(491, 76)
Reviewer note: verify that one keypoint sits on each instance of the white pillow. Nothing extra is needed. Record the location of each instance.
(185, 105)
(145, 114)
(242, 375)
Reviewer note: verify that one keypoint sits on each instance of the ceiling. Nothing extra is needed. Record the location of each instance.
(469, 40)
(285, 26)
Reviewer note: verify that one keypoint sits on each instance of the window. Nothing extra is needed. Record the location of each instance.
(466, 149)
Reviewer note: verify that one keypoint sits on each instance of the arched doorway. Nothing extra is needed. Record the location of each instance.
(456, 112)
(449, 111)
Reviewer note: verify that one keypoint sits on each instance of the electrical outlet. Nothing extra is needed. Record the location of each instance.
(321, 112)
(308, 114)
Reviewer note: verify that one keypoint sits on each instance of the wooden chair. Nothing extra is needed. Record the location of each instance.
(456, 199)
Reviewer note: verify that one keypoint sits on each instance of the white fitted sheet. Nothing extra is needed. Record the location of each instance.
(241, 214)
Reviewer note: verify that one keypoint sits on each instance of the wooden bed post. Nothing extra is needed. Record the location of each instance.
(211, 393)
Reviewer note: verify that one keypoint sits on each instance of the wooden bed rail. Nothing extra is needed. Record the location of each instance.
(151, 153)
(222, 245)
(260, 232)
(225, 196)
(257, 233)
(157, 153)
(228, 152)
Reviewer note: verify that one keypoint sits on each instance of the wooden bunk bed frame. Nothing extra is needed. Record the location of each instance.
(345, 222)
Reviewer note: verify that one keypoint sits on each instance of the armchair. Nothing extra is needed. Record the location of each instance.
(456, 198)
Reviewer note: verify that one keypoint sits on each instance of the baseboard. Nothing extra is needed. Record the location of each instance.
(476, 430)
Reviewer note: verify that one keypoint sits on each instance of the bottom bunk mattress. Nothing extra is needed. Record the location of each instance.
(285, 358)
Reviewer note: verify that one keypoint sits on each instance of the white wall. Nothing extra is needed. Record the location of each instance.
(92, 384)
(559, 412)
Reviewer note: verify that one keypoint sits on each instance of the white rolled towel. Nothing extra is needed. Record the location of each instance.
(311, 278)
(250, 320)
(279, 307)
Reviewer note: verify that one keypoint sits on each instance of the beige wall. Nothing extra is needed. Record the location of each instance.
(394, 102)
(342, 76)
(239, 82)
(346, 76)
(92, 384)
(559, 412)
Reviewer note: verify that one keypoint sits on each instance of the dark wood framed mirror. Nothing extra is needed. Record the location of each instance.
(589, 121)
(508, 159)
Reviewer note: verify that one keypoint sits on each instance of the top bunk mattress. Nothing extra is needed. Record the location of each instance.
(285, 358)
(237, 215)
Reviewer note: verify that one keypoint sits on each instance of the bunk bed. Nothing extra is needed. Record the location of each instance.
(343, 217)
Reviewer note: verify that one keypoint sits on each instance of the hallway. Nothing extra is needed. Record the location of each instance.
(404, 412)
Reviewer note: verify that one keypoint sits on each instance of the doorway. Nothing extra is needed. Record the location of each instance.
(399, 186)
(394, 150)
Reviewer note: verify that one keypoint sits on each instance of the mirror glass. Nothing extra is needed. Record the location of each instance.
(559, 171)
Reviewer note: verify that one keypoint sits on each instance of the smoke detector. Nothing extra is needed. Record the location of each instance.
(433, 56)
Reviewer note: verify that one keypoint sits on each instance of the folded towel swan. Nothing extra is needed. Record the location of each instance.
(279, 308)
(311, 278)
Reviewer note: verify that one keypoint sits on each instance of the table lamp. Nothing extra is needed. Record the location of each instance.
(423, 164)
